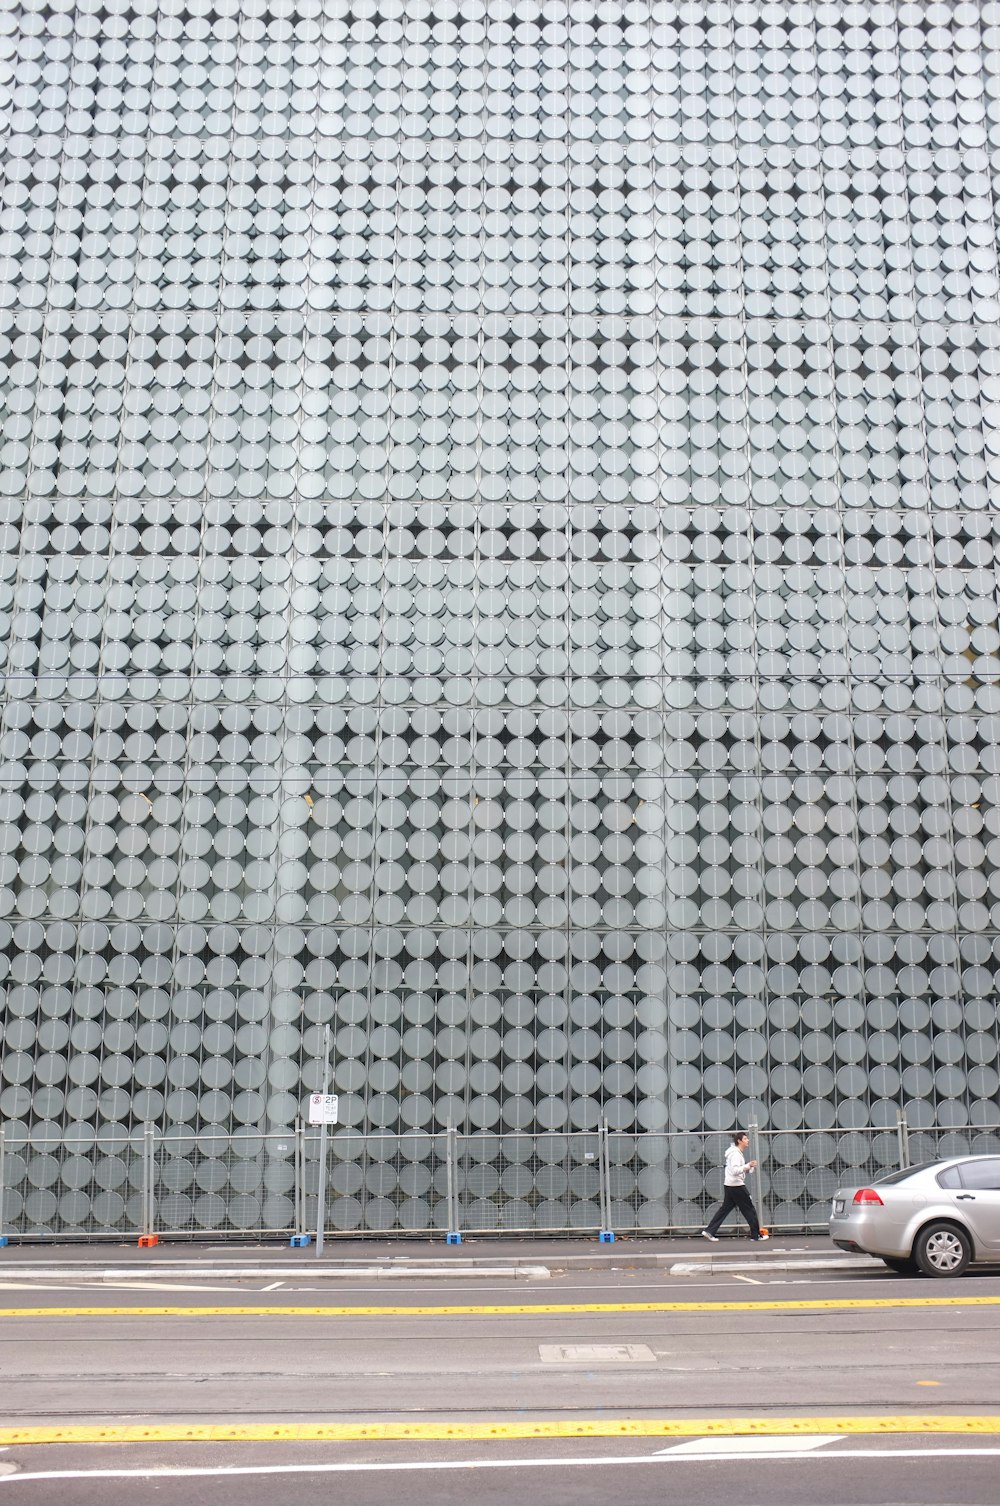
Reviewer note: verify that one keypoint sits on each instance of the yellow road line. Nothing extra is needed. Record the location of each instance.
(520, 1309)
(474, 1432)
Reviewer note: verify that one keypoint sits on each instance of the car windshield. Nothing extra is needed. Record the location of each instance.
(901, 1176)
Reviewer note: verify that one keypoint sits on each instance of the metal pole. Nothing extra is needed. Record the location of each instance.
(3, 1183)
(147, 1179)
(755, 1183)
(449, 1171)
(902, 1130)
(321, 1195)
(453, 1235)
(298, 1196)
(601, 1132)
(604, 1170)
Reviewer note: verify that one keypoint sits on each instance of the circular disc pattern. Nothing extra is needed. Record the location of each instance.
(497, 557)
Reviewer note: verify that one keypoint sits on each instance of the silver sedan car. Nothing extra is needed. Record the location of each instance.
(937, 1218)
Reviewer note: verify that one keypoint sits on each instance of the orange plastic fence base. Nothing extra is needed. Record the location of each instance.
(147, 1240)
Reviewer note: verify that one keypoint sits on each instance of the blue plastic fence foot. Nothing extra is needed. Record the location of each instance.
(299, 1241)
(453, 1239)
(4, 1241)
(606, 1237)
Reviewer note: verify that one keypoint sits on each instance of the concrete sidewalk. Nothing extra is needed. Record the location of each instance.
(396, 1259)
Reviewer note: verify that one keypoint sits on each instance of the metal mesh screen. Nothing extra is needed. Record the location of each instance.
(528, 1182)
(83, 1184)
(664, 1181)
(253, 1184)
(378, 1183)
(219, 1183)
(936, 1144)
(799, 1173)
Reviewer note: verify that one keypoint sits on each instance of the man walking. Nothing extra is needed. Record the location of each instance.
(734, 1193)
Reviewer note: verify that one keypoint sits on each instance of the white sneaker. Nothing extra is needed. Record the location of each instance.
(713, 1237)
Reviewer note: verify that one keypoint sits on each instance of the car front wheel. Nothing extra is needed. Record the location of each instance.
(942, 1250)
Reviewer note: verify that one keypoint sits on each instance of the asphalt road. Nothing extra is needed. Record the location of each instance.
(659, 1372)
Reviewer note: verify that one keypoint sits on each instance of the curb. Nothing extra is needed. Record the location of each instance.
(512, 1268)
(711, 1261)
(620, 1254)
(719, 1265)
(322, 1273)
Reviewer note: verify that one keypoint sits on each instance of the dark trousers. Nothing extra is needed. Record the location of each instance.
(735, 1197)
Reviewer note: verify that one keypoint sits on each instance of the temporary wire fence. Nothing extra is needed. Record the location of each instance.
(117, 1184)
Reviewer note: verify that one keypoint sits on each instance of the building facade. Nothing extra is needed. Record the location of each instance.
(498, 556)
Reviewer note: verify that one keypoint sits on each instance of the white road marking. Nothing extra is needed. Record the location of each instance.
(161, 1286)
(361, 1291)
(714, 1448)
(222, 1471)
(303, 1281)
(41, 1286)
(273, 1287)
(718, 1285)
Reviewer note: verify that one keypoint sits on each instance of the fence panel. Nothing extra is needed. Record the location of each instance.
(98, 1174)
(213, 1182)
(379, 1183)
(524, 1182)
(665, 1182)
(800, 1170)
(938, 1144)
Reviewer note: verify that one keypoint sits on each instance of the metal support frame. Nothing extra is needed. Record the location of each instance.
(606, 1236)
(452, 1234)
(321, 1191)
(298, 1191)
(3, 1182)
(149, 1148)
(755, 1191)
(148, 1198)
(299, 1237)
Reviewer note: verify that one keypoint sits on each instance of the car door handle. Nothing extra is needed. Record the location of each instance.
(964, 1197)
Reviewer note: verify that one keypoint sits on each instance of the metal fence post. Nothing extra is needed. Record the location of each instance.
(321, 1192)
(755, 1183)
(452, 1235)
(3, 1181)
(606, 1235)
(902, 1130)
(147, 1180)
(298, 1189)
